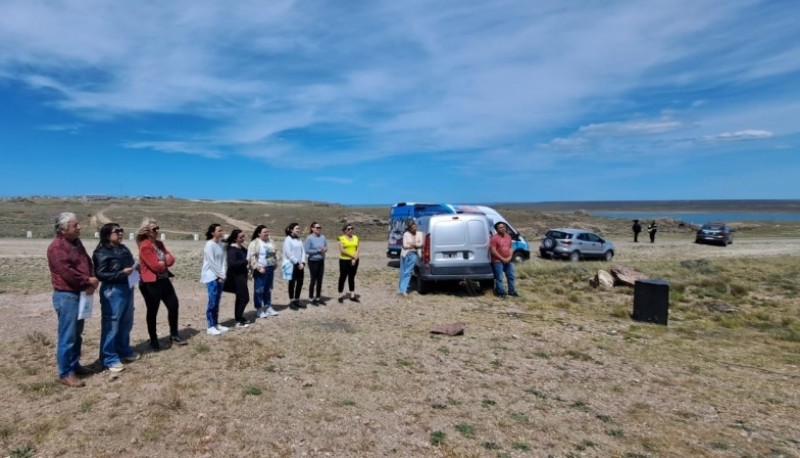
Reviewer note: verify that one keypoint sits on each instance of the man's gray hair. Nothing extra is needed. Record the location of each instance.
(62, 221)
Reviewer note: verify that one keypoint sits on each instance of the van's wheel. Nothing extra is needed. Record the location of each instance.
(421, 285)
(518, 257)
(609, 255)
(549, 243)
(473, 287)
(575, 256)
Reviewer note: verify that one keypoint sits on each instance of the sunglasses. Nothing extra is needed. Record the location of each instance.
(348, 228)
(118, 230)
(317, 227)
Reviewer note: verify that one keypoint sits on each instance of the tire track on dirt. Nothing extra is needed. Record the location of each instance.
(243, 225)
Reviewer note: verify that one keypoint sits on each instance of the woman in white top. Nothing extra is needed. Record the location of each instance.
(295, 253)
(262, 257)
(213, 275)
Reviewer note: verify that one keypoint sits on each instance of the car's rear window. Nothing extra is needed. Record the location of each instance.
(558, 235)
(713, 227)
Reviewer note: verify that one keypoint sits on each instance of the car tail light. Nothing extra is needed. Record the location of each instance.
(566, 242)
(426, 250)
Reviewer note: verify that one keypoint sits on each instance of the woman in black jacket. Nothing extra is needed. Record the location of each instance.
(113, 264)
(236, 276)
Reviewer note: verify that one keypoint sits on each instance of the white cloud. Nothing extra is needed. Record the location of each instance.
(742, 135)
(396, 77)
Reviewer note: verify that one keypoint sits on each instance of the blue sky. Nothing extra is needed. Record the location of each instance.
(386, 101)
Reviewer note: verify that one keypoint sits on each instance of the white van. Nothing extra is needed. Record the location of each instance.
(456, 248)
(522, 251)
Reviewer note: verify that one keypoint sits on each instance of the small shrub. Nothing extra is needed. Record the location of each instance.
(466, 430)
(536, 393)
(488, 403)
(26, 451)
(580, 405)
(584, 444)
(38, 338)
(437, 438)
(252, 390)
(404, 362)
(521, 446)
(519, 416)
(491, 446)
(85, 407)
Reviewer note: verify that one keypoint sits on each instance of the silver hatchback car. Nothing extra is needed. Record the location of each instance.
(575, 244)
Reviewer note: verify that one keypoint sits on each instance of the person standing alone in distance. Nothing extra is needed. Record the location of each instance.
(637, 228)
(652, 228)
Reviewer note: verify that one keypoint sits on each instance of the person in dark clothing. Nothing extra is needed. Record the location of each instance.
(637, 228)
(652, 228)
(236, 276)
(113, 265)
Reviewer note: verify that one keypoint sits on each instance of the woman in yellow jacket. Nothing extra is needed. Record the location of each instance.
(349, 251)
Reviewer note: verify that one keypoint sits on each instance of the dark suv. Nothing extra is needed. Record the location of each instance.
(715, 233)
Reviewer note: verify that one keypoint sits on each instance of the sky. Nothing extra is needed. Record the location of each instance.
(386, 101)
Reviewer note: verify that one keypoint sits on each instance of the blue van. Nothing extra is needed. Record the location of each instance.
(399, 216)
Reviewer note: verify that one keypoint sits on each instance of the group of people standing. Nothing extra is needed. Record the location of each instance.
(75, 276)
(226, 268)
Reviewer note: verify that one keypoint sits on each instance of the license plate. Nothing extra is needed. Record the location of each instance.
(450, 255)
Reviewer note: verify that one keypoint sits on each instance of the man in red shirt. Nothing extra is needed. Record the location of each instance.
(71, 273)
(502, 254)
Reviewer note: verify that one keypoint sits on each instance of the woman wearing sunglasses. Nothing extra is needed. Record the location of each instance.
(348, 262)
(113, 264)
(155, 285)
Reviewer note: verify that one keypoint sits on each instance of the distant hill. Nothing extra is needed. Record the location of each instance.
(754, 206)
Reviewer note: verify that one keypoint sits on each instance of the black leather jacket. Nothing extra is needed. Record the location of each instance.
(109, 262)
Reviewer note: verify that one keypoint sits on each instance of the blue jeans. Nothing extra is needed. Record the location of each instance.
(406, 269)
(214, 296)
(503, 267)
(262, 287)
(116, 306)
(68, 347)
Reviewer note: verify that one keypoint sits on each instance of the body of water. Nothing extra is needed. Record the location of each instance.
(700, 217)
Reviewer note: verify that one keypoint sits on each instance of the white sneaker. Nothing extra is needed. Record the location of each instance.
(263, 313)
(271, 312)
(212, 331)
(116, 368)
(222, 328)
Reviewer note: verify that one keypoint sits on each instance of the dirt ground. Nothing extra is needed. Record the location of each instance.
(368, 379)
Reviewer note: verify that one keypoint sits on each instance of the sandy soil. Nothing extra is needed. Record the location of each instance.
(369, 380)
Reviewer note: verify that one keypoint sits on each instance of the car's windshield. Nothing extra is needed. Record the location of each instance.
(713, 227)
